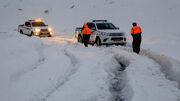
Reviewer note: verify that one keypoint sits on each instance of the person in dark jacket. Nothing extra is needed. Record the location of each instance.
(86, 34)
(136, 34)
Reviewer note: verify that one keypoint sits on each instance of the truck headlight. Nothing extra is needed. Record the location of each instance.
(50, 29)
(37, 30)
(104, 34)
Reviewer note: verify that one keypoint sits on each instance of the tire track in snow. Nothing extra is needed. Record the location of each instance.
(119, 81)
(61, 39)
(168, 66)
(62, 80)
(118, 78)
(32, 67)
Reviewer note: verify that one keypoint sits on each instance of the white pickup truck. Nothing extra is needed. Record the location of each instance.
(103, 32)
(35, 27)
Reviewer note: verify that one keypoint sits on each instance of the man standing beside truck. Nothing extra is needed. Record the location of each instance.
(86, 34)
(136, 34)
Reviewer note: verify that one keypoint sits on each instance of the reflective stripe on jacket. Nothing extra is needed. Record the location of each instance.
(136, 30)
(86, 30)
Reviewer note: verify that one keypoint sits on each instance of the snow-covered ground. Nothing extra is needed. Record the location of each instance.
(59, 68)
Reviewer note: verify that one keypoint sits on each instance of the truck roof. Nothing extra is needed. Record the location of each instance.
(99, 20)
(35, 20)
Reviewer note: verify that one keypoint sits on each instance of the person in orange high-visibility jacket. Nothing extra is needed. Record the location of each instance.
(136, 34)
(86, 34)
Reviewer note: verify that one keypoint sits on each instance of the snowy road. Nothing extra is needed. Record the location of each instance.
(58, 68)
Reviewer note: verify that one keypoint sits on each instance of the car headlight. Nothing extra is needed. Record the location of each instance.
(37, 30)
(50, 29)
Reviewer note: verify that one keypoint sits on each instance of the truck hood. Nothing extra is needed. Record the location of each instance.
(111, 31)
(44, 27)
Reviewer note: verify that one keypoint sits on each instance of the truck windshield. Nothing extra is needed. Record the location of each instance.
(38, 24)
(105, 26)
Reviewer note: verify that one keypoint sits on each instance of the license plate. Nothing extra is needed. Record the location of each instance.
(117, 39)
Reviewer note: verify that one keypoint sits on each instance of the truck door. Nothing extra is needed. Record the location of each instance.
(93, 29)
(27, 28)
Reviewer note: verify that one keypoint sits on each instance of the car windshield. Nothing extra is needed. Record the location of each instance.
(105, 26)
(37, 24)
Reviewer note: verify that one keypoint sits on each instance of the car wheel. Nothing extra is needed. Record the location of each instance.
(80, 39)
(98, 41)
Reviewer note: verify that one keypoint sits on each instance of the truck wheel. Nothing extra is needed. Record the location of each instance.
(98, 41)
(21, 31)
(80, 39)
(124, 44)
(31, 34)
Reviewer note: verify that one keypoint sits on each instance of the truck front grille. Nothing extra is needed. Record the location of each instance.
(44, 30)
(116, 34)
(116, 39)
(44, 34)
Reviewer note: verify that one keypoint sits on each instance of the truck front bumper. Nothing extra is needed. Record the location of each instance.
(114, 40)
(43, 34)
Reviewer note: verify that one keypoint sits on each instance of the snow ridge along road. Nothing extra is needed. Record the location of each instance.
(143, 74)
(169, 66)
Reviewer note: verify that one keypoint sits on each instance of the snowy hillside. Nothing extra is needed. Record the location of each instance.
(60, 69)
(159, 19)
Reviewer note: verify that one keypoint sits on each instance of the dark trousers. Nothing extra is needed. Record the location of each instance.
(86, 39)
(136, 43)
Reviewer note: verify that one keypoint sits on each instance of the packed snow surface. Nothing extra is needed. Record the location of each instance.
(60, 69)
